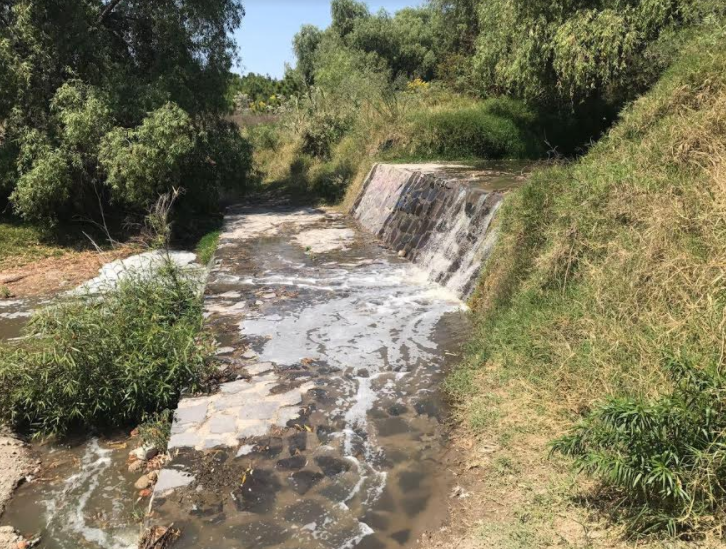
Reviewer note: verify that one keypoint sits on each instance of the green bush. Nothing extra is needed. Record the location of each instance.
(264, 136)
(76, 106)
(555, 52)
(665, 458)
(140, 162)
(321, 133)
(495, 128)
(107, 361)
(155, 429)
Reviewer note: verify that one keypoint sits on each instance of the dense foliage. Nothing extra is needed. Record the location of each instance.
(668, 456)
(111, 103)
(107, 361)
(256, 91)
(554, 51)
(460, 79)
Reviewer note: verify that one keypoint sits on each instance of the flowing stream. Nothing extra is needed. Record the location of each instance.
(328, 433)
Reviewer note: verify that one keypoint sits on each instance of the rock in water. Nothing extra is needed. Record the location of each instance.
(143, 483)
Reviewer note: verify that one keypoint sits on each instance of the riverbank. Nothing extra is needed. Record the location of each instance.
(608, 273)
(16, 464)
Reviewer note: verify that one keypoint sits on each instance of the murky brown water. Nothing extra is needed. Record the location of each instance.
(370, 337)
(14, 314)
(85, 498)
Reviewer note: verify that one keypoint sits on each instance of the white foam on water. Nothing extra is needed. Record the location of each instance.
(141, 265)
(461, 241)
(459, 244)
(249, 224)
(16, 315)
(68, 509)
(380, 317)
(320, 241)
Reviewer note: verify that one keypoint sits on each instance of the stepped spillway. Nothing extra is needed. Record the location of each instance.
(327, 430)
(439, 216)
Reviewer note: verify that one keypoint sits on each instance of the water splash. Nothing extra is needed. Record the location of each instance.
(440, 219)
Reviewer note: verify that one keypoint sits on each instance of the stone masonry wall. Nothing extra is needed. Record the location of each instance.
(407, 206)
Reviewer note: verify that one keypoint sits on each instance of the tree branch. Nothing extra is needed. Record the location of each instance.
(108, 9)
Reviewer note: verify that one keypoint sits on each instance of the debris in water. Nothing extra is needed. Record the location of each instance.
(159, 537)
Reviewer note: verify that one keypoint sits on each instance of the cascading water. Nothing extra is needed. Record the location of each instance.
(439, 216)
(327, 432)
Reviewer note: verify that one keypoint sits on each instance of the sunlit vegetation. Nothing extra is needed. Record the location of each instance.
(105, 106)
(606, 297)
(93, 362)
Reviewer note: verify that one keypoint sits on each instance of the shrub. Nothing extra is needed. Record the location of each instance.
(107, 361)
(140, 162)
(264, 136)
(665, 458)
(496, 128)
(329, 181)
(322, 132)
(155, 429)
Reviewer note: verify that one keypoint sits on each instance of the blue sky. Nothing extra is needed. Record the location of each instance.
(265, 38)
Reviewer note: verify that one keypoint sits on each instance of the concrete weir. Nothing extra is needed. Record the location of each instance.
(326, 430)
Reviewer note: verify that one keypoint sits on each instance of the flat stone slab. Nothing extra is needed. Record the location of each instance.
(239, 410)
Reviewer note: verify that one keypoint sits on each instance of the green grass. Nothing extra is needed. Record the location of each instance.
(494, 128)
(106, 362)
(22, 244)
(608, 264)
(206, 246)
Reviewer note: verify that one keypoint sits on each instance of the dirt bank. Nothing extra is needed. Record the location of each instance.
(15, 463)
(51, 275)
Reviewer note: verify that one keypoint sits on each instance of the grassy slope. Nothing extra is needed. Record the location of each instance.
(604, 268)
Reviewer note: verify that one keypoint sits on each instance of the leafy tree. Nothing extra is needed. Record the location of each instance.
(305, 45)
(142, 160)
(346, 15)
(552, 51)
(405, 41)
(77, 74)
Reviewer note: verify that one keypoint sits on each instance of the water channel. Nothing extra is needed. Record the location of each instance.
(330, 432)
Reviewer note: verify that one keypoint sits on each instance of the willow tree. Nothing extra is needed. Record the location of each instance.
(87, 81)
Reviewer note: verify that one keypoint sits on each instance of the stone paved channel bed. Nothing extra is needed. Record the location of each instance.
(328, 433)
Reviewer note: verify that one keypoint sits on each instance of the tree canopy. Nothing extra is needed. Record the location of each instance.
(86, 83)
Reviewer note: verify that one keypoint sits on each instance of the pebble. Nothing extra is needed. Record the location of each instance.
(145, 453)
(271, 295)
(136, 466)
(224, 350)
(249, 353)
(143, 483)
